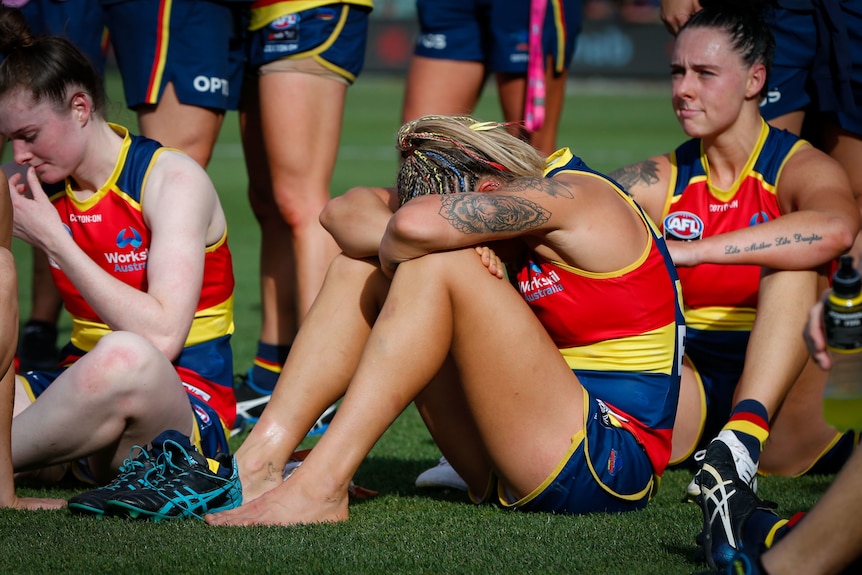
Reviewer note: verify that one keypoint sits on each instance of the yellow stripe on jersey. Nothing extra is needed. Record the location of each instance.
(207, 325)
(212, 323)
(648, 352)
(720, 318)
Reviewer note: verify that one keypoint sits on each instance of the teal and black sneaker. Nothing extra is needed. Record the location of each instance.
(727, 503)
(191, 485)
(135, 473)
(740, 564)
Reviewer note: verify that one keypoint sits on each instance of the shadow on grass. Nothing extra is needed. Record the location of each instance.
(397, 476)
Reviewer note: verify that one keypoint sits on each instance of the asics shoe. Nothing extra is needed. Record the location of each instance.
(441, 475)
(746, 468)
(727, 502)
(323, 421)
(250, 402)
(134, 474)
(191, 485)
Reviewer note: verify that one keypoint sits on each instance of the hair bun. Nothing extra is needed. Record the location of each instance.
(14, 31)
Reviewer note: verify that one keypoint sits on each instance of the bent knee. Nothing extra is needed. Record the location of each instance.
(121, 352)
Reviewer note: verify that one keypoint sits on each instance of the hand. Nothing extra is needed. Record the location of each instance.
(491, 261)
(35, 219)
(815, 337)
(33, 503)
(675, 13)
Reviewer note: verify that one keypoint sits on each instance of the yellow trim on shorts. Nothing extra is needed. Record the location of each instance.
(262, 16)
(26, 384)
(770, 537)
(718, 318)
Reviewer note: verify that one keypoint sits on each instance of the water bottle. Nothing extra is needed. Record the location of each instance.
(842, 316)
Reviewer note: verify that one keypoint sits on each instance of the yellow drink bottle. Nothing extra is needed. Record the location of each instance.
(842, 317)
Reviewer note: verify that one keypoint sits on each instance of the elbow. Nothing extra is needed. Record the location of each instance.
(169, 344)
(408, 227)
(847, 229)
(331, 213)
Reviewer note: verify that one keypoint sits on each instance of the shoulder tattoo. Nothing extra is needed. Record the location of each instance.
(547, 186)
(484, 213)
(645, 172)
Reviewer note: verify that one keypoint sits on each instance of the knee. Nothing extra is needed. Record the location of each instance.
(444, 264)
(344, 269)
(116, 361)
(299, 204)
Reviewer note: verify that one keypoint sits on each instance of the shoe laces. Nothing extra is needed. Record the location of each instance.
(130, 466)
(746, 468)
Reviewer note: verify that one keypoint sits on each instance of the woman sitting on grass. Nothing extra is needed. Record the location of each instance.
(556, 395)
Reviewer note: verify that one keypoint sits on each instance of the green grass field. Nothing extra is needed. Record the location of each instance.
(404, 529)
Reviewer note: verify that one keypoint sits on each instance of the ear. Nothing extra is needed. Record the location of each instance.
(756, 80)
(487, 185)
(82, 107)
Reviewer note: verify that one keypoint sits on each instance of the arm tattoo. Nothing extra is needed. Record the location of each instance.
(483, 213)
(546, 186)
(628, 176)
(798, 238)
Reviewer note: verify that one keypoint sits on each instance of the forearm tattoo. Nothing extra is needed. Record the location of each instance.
(732, 249)
(645, 172)
(483, 213)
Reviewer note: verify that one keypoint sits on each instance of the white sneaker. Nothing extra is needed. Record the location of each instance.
(746, 468)
(441, 475)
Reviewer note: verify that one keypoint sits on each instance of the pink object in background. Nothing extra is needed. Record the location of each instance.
(534, 106)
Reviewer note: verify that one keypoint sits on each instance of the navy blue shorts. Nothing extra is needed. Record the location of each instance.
(82, 22)
(818, 60)
(334, 35)
(197, 45)
(605, 470)
(495, 32)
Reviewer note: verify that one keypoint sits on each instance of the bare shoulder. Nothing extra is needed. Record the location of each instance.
(173, 168)
(556, 187)
(811, 169)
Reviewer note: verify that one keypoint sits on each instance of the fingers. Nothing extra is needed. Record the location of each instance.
(815, 338)
(491, 261)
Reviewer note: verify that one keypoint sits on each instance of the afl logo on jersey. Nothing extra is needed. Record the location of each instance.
(682, 226)
(285, 22)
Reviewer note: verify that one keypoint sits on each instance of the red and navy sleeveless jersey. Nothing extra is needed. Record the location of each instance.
(110, 228)
(723, 297)
(627, 322)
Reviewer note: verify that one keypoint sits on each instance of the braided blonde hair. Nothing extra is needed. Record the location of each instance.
(448, 154)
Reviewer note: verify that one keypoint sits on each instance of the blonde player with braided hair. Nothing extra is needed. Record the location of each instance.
(513, 380)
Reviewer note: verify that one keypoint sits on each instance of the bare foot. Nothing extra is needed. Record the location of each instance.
(291, 503)
(256, 482)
